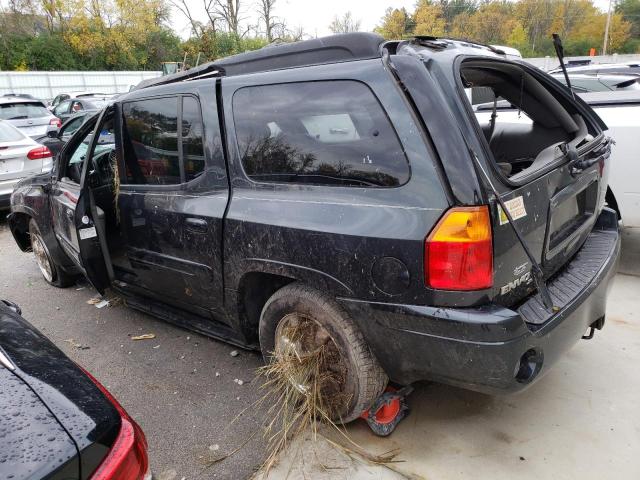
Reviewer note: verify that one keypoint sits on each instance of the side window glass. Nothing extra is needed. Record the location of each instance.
(62, 108)
(150, 141)
(77, 158)
(192, 138)
(323, 133)
(71, 127)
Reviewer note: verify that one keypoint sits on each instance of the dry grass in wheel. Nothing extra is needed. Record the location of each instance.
(304, 384)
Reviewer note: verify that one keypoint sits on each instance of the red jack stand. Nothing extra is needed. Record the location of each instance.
(387, 411)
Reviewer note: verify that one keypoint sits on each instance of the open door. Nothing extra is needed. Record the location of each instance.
(89, 218)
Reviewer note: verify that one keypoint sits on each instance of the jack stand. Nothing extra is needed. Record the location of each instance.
(387, 411)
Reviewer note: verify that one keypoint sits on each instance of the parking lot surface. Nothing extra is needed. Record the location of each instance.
(167, 384)
(579, 421)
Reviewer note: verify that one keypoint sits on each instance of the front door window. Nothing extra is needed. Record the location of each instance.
(77, 158)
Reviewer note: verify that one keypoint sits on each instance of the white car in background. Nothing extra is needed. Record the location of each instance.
(583, 83)
(20, 157)
(621, 112)
(29, 115)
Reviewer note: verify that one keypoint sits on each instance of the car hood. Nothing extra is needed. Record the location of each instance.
(75, 401)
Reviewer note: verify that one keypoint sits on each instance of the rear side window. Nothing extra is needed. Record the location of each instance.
(17, 111)
(192, 138)
(62, 108)
(150, 140)
(323, 133)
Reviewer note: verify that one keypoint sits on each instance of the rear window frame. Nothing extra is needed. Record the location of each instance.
(276, 183)
(136, 187)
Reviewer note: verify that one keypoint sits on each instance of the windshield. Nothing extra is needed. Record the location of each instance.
(9, 134)
(17, 111)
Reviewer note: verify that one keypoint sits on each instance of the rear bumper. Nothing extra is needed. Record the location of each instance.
(491, 348)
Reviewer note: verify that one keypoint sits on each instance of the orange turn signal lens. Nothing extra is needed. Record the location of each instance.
(459, 250)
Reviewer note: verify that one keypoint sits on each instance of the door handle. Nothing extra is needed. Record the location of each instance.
(196, 224)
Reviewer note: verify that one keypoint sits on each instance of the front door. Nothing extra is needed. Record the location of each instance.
(78, 223)
(171, 203)
(65, 190)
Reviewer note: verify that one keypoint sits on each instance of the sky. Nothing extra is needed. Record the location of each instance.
(314, 15)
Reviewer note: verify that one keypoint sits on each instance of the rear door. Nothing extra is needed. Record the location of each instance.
(172, 198)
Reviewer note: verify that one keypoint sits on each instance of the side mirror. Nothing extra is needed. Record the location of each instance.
(53, 131)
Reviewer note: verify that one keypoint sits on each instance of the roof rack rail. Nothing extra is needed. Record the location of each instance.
(335, 48)
(440, 43)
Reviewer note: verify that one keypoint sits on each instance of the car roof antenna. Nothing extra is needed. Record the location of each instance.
(557, 44)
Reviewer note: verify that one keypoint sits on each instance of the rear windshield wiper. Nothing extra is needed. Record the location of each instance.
(19, 117)
(538, 275)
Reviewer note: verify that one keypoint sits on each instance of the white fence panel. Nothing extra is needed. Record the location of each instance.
(46, 85)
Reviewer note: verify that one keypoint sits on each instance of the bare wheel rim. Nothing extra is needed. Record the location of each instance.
(42, 258)
(300, 336)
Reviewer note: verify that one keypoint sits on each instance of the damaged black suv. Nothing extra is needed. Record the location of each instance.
(344, 193)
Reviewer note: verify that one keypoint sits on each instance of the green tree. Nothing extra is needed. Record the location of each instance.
(50, 52)
(452, 8)
(492, 23)
(630, 11)
(395, 24)
(428, 19)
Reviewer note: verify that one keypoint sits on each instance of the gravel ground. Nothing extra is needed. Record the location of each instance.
(169, 384)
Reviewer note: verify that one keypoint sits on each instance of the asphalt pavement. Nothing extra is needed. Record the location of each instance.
(179, 386)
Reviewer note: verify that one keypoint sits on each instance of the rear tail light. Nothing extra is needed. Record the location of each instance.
(39, 153)
(458, 253)
(56, 121)
(127, 459)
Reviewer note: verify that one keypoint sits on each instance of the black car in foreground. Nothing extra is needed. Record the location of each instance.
(343, 188)
(56, 421)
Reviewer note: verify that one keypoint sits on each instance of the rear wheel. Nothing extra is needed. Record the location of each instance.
(51, 272)
(302, 320)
